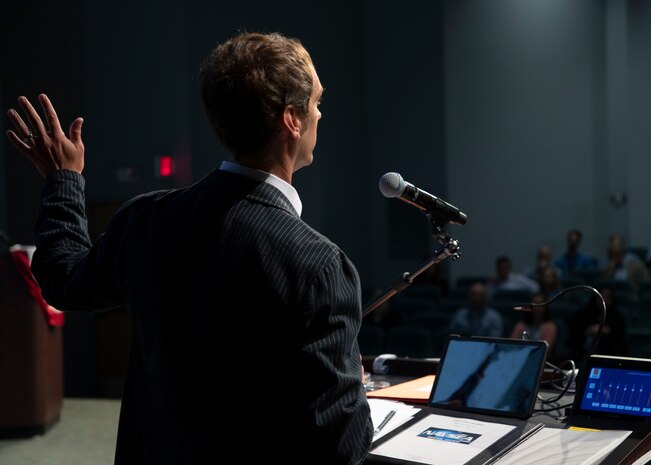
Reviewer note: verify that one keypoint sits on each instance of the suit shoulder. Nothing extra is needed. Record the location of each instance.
(279, 232)
(293, 231)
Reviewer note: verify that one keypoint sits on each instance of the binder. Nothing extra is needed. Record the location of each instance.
(425, 440)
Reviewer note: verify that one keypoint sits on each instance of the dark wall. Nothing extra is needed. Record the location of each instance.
(404, 121)
(38, 55)
(547, 105)
(333, 190)
(527, 115)
(135, 93)
(133, 77)
(523, 88)
(638, 118)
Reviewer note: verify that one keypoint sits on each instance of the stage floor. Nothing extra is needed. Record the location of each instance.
(85, 434)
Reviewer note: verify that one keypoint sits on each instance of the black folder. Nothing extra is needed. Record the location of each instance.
(523, 429)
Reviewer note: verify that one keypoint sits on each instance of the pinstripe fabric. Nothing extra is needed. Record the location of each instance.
(245, 320)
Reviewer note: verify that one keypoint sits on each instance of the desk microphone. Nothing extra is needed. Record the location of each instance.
(392, 185)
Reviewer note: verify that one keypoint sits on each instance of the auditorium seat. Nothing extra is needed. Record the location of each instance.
(468, 280)
(408, 308)
(409, 341)
(420, 292)
(517, 296)
(614, 284)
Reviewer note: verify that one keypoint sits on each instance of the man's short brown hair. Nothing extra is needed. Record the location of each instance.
(247, 82)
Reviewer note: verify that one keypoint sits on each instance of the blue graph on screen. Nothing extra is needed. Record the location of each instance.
(618, 391)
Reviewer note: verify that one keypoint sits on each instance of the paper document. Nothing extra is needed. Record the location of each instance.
(380, 408)
(437, 436)
(564, 447)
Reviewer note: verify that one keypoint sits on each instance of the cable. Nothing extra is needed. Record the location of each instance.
(567, 382)
(564, 389)
(595, 341)
(545, 411)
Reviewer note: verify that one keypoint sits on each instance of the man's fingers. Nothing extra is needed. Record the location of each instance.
(18, 142)
(33, 117)
(75, 130)
(50, 114)
(15, 118)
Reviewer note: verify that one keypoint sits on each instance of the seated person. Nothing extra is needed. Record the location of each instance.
(549, 282)
(622, 265)
(477, 319)
(506, 279)
(584, 324)
(573, 260)
(538, 323)
(543, 262)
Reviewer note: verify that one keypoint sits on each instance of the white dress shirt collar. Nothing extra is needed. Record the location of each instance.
(283, 186)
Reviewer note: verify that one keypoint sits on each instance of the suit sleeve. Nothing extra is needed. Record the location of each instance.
(341, 408)
(73, 273)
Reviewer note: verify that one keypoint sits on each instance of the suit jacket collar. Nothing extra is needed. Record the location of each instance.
(251, 189)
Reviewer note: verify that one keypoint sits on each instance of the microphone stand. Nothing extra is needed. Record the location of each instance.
(450, 248)
(595, 341)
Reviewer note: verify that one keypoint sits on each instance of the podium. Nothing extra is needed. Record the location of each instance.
(31, 366)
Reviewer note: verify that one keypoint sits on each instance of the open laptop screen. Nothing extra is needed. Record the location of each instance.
(489, 375)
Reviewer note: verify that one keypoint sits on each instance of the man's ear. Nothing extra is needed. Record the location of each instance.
(291, 122)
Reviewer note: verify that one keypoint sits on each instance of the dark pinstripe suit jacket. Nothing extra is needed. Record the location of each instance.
(245, 321)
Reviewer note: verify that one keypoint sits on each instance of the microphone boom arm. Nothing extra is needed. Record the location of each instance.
(450, 248)
(602, 323)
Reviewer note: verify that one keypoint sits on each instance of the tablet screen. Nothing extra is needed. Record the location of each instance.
(489, 375)
(616, 387)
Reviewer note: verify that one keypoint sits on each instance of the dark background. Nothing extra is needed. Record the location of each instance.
(526, 114)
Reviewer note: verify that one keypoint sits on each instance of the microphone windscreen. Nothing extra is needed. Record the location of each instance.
(392, 185)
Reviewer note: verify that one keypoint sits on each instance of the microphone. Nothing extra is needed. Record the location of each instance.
(528, 307)
(392, 185)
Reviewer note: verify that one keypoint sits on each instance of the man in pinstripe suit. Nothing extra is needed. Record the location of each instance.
(248, 347)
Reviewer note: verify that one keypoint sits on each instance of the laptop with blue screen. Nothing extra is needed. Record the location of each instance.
(491, 376)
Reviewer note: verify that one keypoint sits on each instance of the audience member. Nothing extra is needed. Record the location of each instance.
(477, 319)
(538, 323)
(584, 324)
(506, 279)
(573, 260)
(543, 261)
(622, 265)
(550, 282)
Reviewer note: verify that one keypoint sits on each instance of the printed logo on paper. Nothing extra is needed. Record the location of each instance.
(448, 435)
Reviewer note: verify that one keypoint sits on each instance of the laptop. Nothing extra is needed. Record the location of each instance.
(490, 376)
(483, 393)
(612, 393)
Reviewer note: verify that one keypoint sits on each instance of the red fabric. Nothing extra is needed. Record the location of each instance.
(54, 316)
